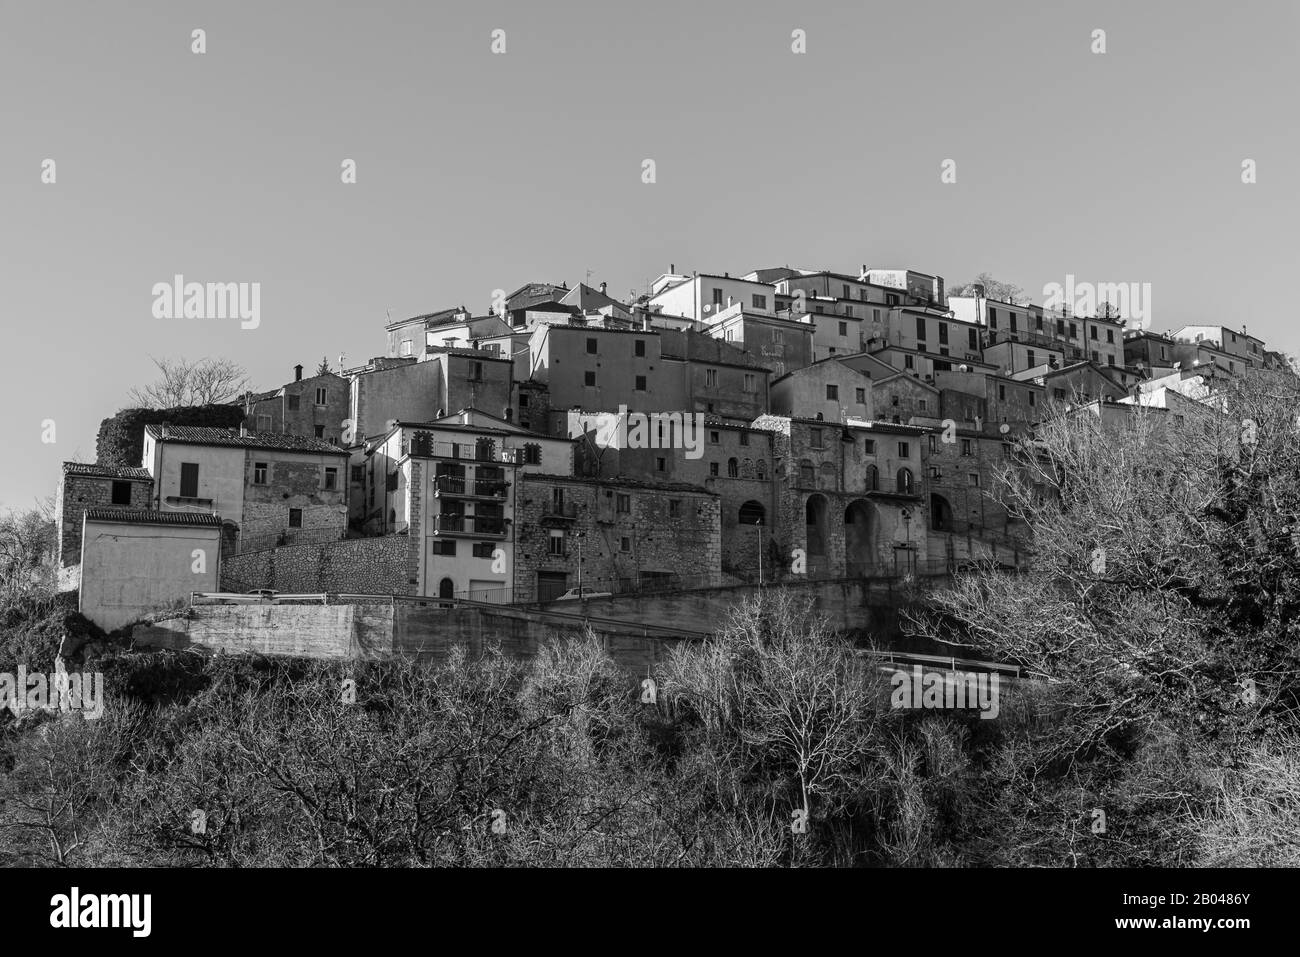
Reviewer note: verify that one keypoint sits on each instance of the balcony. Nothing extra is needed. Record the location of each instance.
(478, 525)
(562, 512)
(459, 487)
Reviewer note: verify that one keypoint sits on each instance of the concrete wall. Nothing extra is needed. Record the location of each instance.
(130, 571)
(637, 631)
(363, 566)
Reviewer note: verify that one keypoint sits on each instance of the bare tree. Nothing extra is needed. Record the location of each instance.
(183, 384)
(993, 289)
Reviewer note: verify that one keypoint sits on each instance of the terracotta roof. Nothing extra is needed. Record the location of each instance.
(107, 471)
(196, 435)
(146, 516)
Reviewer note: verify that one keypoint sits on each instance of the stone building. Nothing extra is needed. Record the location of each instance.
(84, 486)
(615, 535)
(314, 407)
(734, 461)
(269, 488)
(850, 497)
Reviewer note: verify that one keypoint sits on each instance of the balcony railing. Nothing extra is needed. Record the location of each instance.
(458, 485)
(469, 525)
(563, 510)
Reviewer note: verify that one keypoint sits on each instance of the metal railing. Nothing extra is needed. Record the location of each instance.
(470, 524)
(458, 485)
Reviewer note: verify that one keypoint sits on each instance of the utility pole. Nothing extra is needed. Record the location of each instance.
(758, 527)
(579, 538)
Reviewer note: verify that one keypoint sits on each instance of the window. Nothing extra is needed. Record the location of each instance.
(993, 318)
(476, 372)
(444, 546)
(710, 378)
(1110, 361)
(482, 549)
(259, 473)
(640, 383)
(860, 396)
(965, 446)
(331, 479)
(713, 470)
(1074, 331)
(589, 378)
(972, 339)
(844, 328)
(556, 544)
(1060, 327)
(832, 393)
(815, 438)
(591, 346)
(717, 297)
(807, 475)
(1095, 357)
(715, 437)
(625, 544)
(744, 438)
(1029, 358)
(322, 395)
(1110, 336)
(523, 400)
(189, 480)
(623, 504)
(295, 518)
(406, 347)
(904, 450)
(760, 302)
(638, 348)
(358, 474)
(1012, 318)
(908, 362)
(1093, 330)
(904, 482)
(121, 493)
(733, 468)
(295, 403)
(532, 454)
(869, 446)
(1031, 399)
(922, 404)
(750, 383)
(872, 478)
(893, 400)
(920, 328)
(674, 507)
(263, 423)
(931, 441)
(975, 479)
(319, 431)
(661, 464)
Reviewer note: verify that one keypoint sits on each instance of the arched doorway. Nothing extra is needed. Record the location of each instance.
(446, 588)
(940, 514)
(815, 531)
(752, 513)
(860, 531)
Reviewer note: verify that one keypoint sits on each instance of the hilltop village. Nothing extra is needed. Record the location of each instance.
(798, 423)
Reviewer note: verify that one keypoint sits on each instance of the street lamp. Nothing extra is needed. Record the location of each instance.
(758, 527)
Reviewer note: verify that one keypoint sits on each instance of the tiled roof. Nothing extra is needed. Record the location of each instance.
(146, 516)
(107, 471)
(196, 435)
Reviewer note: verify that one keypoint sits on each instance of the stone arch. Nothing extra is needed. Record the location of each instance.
(446, 588)
(815, 514)
(905, 482)
(940, 513)
(752, 513)
(861, 532)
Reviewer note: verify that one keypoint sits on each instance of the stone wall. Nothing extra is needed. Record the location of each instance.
(362, 566)
(76, 493)
(666, 530)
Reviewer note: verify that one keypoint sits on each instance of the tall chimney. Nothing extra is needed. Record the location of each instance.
(297, 373)
(672, 268)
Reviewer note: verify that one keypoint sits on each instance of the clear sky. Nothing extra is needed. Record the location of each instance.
(477, 171)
